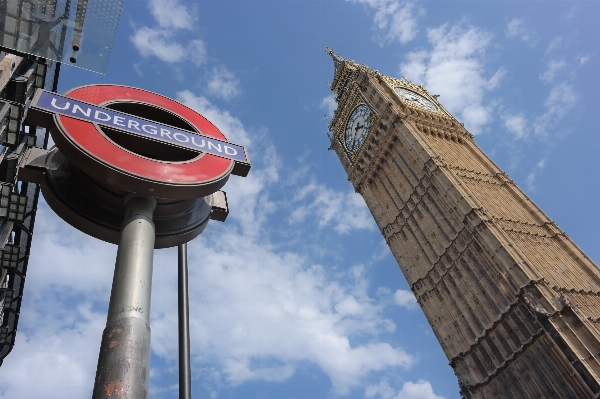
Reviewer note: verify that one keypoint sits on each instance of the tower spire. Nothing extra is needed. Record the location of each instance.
(337, 59)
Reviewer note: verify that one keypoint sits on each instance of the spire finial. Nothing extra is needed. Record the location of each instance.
(336, 57)
(337, 60)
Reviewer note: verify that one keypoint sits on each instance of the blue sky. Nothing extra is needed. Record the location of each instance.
(296, 294)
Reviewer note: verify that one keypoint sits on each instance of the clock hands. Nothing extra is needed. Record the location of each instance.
(355, 136)
(415, 99)
(357, 127)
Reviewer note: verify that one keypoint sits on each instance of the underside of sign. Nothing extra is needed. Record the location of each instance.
(98, 211)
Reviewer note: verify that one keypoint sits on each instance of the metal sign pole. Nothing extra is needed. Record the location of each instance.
(124, 361)
(185, 380)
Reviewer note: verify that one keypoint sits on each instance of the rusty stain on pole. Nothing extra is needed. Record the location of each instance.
(124, 362)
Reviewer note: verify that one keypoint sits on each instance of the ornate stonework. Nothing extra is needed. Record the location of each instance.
(514, 303)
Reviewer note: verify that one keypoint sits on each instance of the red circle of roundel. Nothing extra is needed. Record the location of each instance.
(87, 136)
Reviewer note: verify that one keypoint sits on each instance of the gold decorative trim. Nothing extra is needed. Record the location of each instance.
(418, 89)
(355, 99)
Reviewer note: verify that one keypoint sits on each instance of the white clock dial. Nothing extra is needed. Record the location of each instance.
(357, 127)
(415, 99)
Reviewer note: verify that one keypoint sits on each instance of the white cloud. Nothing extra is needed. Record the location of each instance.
(534, 173)
(223, 84)
(345, 211)
(561, 100)
(541, 163)
(420, 390)
(161, 44)
(60, 322)
(259, 314)
(454, 68)
(230, 126)
(398, 20)
(555, 44)
(196, 50)
(516, 29)
(516, 124)
(383, 390)
(329, 104)
(554, 67)
(496, 78)
(405, 298)
(530, 181)
(247, 197)
(158, 43)
(62, 356)
(171, 14)
(583, 60)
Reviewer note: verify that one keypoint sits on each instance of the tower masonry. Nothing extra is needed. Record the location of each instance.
(514, 303)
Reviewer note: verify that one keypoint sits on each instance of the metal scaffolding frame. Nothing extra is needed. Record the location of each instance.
(18, 200)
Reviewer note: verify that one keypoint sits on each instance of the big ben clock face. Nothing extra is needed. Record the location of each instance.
(415, 99)
(358, 127)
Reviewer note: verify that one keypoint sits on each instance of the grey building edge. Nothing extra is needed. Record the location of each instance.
(18, 200)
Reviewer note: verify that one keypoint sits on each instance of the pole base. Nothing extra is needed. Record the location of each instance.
(124, 361)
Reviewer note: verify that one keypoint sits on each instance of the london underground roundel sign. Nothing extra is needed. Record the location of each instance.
(139, 141)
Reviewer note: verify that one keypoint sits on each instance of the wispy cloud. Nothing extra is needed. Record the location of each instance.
(63, 313)
(223, 84)
(555, 44)
(382, 390)
(516, 124)
(162, 42)
(420, 390)
(259, 312)
(396, 20)
(518, 29)
(162, 45)
(197, 51)
(405, 298)
(560, 101)
(530, 180)
(171, 14)
(554, 67)
(454, 67)
(231, 126)
(344, 211)
(534, 173)
(329, 105)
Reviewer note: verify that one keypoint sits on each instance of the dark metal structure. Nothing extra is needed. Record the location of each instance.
(20, 75)
(31, 26)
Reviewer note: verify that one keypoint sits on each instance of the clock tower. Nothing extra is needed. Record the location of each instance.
(514, 303)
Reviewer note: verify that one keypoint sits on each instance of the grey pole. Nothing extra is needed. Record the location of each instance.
(124, 360)
(185, 380)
